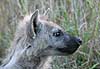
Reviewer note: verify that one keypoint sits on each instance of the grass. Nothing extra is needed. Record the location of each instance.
(77, 17)
(83, 20)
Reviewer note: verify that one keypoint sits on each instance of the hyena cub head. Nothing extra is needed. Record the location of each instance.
(49, 38)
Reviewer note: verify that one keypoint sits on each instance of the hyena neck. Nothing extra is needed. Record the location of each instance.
(29, 63)
(45, 63)
(36, 63)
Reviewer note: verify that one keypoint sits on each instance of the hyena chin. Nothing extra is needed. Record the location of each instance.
(36, 39)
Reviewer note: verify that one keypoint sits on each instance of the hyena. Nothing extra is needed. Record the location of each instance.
(36, 40)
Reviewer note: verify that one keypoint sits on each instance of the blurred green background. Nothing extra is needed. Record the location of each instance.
(77, 17)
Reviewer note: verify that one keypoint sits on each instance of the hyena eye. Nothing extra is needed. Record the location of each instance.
(57, 33)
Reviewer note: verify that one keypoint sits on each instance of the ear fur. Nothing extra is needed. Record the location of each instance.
(34, 20)
(47, 11)
(33, 24)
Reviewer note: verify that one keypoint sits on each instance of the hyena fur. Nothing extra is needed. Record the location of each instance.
(36, 41)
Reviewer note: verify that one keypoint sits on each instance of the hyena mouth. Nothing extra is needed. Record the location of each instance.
(67, 50)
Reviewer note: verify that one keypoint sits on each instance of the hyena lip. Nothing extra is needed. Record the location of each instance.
(67, 50)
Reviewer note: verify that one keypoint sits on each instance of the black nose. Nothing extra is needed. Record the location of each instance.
(79, 40)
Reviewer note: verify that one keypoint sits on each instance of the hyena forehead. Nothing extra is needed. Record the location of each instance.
(53, 25)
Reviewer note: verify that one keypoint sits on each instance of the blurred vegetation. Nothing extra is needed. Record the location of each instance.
(77, 17)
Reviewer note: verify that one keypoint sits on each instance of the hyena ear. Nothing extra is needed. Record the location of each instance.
(47, 12)
(34, 23)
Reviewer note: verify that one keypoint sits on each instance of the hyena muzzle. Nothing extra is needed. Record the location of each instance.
(35, 40)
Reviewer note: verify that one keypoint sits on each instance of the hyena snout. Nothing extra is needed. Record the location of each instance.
(71, 45)
(78, 40)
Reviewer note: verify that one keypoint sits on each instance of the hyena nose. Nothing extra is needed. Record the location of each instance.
(79, 40)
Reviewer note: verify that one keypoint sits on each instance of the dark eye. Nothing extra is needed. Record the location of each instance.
(57, 33)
